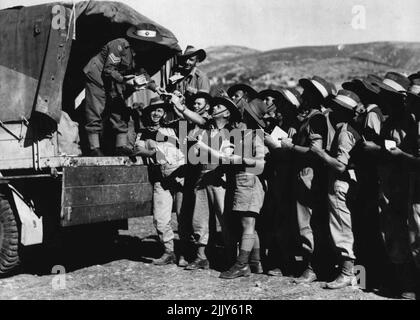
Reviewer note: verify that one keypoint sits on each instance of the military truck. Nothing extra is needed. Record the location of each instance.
(45, 187)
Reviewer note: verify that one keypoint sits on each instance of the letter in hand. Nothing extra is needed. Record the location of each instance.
(270, 142)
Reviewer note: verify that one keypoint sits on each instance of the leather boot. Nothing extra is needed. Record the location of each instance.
(236, 271)
(308, 276)
(240, 268)
(96, 153)
(346, 277)
(255, 261)
(198, 263)
(342, 281)
(167, 258)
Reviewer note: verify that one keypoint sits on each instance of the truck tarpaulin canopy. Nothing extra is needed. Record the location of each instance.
(37, 44)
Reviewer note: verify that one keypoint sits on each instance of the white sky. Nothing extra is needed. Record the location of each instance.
(272, 24)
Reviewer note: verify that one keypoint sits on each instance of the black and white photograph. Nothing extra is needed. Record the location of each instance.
(210, 154)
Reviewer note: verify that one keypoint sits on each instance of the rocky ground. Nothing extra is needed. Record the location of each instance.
(124, 271)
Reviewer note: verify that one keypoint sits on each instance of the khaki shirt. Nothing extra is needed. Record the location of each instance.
(343, 144)
(197, 79)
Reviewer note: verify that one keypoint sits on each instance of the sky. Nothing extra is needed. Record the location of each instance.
(273, 24)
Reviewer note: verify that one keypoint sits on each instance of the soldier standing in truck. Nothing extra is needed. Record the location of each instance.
(109, 80)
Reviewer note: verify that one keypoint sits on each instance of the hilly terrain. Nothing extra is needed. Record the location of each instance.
(284, 67)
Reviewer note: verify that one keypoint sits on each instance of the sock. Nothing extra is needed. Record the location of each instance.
(247, 243)
(169, 246)
(255, 252)
(93, 139)
(201, 252)
(347, 268)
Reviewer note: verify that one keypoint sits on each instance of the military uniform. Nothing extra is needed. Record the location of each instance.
(369, 244)
(309, 185)
(209, 193)
(197, 80)
(105, 87)
(167, 177)
(339, 188)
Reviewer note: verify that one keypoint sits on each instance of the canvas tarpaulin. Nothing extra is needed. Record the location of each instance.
(34, 53)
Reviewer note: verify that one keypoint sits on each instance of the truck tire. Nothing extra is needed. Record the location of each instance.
(9, 237)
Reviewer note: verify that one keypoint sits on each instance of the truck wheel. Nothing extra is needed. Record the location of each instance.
(9, 237)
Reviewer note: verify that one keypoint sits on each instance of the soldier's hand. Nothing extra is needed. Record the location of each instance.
(396, 152)
(291, 132)
(317, 150)
(286, 144)
(191, 90)
(271, 143)
(160, 91)
(370, 146)
(176, 101)
(222, 93)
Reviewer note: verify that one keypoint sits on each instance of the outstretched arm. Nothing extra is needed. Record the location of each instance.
(187, 113)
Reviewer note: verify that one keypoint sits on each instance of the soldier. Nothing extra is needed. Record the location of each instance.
(160, 143)
(368, 241)
(340, 184)
(241, 94)
(201, 107)
(271, 99)
(109, 82)
(394, 177)
(279, 204)
(310, 186)
(248, 195)
(191, 79)
(210, 188)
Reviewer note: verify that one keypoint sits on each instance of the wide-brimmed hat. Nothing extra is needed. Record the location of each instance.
(235, 114)
(346, 99)
(414, 89)
(292, 96)
(362, 86)
(156, 102)
(202, 94)
(317, 84)
(191, 51)
(252, 93)
(395, 82)
(414, 76)
(145, 32)
(269, 93)
(256, 109)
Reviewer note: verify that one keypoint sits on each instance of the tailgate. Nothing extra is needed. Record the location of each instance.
(104, 193)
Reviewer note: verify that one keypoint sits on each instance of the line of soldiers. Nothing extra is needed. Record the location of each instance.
(343, 174)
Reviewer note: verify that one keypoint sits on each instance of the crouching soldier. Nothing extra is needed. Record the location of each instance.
(340, 183)
(160, 143)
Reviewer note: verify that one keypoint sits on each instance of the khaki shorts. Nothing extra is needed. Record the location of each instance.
(249, 193)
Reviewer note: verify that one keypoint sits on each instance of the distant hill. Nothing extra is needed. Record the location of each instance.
(227, 52)
(283, 67)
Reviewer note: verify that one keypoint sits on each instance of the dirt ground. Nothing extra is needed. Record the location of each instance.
(123, 271)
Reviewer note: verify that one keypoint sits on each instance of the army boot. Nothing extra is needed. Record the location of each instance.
(346, 277)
